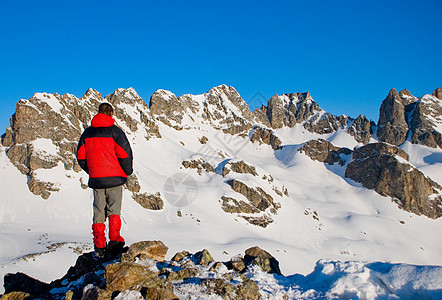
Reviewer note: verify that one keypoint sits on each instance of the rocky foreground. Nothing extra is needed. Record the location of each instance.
(141, 272)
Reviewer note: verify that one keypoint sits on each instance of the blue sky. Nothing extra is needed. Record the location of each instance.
(348, 54)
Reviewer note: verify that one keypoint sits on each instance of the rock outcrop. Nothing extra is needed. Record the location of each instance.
(265, 136)
(143, 272)
(385, 169)
(361, 129)
(324, 151)
(425, 121)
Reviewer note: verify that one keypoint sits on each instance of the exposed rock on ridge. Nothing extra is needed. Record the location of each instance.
(385, 169)
(142, 271)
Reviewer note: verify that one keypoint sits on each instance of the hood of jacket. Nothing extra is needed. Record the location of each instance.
(102, 120)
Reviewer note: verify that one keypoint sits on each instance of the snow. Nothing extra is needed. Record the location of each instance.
(51, 100)
(44, 147)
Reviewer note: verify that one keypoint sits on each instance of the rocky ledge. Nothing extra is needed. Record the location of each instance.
(142, 272)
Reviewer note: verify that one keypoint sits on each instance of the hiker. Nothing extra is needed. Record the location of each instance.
(105, 154)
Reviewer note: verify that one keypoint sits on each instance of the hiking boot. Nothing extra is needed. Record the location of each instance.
(115, 248)
(99, 253)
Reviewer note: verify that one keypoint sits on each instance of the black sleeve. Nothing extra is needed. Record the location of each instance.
(81, 154)
(126, 162)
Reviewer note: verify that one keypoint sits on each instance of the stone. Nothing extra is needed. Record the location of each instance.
(155, 250)
(125, 275)
(203, 258)
(263, 259)
(149, 201)
(183, 274)
(237, 264)
(19, 282)
(180, 255)
(16, 296)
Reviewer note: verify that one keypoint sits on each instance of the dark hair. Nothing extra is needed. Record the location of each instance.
(105, 108)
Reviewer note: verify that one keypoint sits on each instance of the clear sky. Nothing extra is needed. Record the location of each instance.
(348, 54)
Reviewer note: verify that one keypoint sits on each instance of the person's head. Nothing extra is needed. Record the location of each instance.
(106, 108)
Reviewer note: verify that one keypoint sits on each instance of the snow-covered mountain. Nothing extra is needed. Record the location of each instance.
(209, 173)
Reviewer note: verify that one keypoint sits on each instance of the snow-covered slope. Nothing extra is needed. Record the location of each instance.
(323, 216)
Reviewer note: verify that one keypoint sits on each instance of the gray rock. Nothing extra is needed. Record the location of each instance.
(360, 129)
(199, 165)
(239, 167)
(203, 258)
(324, 151)
(377, 167)
(265, 136)
(149, 201)
(146, 249)
(424, 122)
(258, 198)
(263, 259)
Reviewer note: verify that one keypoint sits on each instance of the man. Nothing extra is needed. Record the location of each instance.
(105, 154)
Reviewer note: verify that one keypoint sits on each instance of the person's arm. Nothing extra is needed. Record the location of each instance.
(81, 154)
(123, 151)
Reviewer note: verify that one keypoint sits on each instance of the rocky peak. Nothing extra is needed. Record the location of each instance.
(91, 93)
(407, 98)
(392, 124)
(128, 96)
(438, 93)
(290, 109)
(361, 129)
(225, 108)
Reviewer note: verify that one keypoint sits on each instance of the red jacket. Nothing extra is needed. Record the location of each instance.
(104, 153)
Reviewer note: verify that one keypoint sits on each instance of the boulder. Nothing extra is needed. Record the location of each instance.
(146, 249)
(259, 257)
(19, 282)
(203, 258)
(126, 275)
(180, 255)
